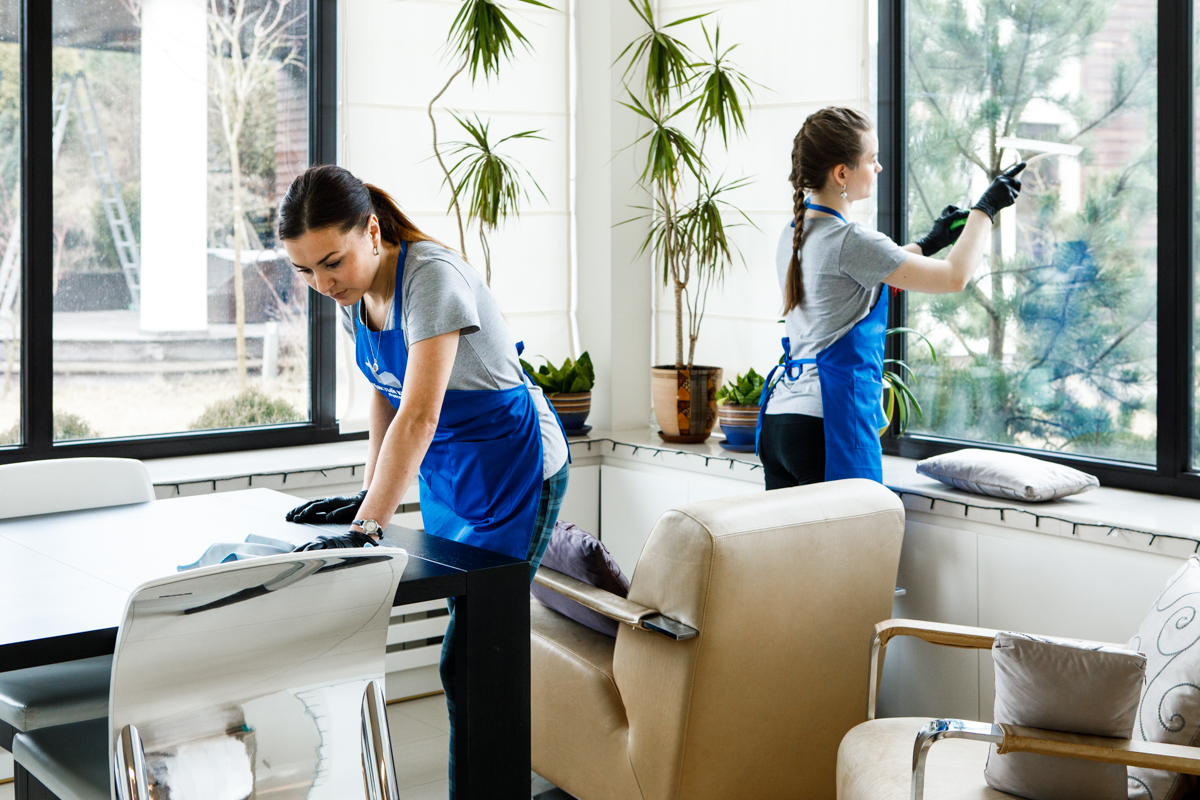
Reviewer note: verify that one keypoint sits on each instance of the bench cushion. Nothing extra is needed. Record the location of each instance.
(73, 691)
(69, 760)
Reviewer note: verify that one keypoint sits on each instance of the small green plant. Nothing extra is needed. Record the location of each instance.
(744, 391)
(898, 398)
(66, 426)
(251, 407)
(570, 378)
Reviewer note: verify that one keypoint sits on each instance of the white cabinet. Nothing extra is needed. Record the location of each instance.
(581, 503)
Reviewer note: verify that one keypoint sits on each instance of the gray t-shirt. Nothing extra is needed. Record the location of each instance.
(842, 266)
(442, 293)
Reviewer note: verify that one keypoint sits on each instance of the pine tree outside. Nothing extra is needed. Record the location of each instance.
(1053, 345)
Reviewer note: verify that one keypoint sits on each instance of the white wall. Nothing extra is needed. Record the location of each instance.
(808, 54)
(393, 62)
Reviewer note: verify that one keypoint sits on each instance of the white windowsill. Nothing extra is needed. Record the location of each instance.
(1117, 517)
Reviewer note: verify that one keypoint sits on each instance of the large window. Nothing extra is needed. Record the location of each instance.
(1057, 345)
(156, 301)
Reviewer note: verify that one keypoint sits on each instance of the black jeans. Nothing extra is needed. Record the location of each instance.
(792, 448)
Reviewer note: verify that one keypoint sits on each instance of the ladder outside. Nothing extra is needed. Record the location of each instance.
(74, 89)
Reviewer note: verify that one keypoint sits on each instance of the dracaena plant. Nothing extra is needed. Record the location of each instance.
(482, 36)
(745, 390)
(572, 377)
(682, 99)
(898, 399)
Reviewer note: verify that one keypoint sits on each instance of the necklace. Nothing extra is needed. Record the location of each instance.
(379, 334)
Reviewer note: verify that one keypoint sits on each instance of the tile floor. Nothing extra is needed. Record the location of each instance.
(420, 739)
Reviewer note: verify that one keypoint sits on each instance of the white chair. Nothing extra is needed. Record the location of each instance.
(254, 678)
(77, 690)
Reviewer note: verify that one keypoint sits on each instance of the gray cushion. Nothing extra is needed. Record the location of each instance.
(575, 552)
(73, 691)
(69, 760)
(1069, 686)
(1008, 475)
(1170, 707)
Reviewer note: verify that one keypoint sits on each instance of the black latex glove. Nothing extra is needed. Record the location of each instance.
(347, 539)
(328, 509)
(1002, 193)
(945, 231)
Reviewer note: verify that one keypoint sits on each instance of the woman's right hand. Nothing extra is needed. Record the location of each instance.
(328, 509)
(1002, 193)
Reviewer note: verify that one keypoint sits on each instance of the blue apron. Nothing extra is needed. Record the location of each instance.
(481, 479)
(851, 376)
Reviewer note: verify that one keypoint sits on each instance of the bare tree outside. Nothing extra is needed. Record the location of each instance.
(249, 41)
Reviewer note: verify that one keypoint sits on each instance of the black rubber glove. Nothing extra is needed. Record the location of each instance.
(1002, 193)
(945, 231)
(328, 509)
(348, 539)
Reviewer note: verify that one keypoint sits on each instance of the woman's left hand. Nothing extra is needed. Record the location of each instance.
(945, 231)
(349, 539)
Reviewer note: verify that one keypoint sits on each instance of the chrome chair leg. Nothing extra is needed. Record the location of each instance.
(379, 771)
(940, 729)
(129, 762)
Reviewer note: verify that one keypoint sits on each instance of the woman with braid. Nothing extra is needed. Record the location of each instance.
(820, 419)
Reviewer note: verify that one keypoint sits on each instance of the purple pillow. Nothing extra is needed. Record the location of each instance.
(575, 552)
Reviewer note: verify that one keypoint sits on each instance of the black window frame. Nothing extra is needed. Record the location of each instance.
(37, 348)
(1173, 472)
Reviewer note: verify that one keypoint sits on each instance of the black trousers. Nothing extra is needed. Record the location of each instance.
(792, 448)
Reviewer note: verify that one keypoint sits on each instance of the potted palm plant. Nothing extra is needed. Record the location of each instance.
(568, 388)
(737, 410)
(688, 231)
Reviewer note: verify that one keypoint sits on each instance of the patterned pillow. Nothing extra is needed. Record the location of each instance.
(1170, 708)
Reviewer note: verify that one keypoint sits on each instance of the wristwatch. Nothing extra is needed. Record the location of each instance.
(369, 526)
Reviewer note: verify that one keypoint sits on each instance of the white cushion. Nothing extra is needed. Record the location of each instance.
(1170, 706)
(1008, 475)
(1069, 686)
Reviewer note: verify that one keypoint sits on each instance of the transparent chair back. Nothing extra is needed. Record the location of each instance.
(259, 678)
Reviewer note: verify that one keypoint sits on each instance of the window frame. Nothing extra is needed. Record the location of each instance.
(1173, 472)
(37, 347)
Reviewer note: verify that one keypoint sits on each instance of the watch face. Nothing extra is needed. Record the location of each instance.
(370, 526)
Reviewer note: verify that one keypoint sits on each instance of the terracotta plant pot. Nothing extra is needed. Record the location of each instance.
(738, 423)
(572, 408)
(685, 402)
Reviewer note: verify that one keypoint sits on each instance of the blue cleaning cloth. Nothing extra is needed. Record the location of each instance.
(255, 546)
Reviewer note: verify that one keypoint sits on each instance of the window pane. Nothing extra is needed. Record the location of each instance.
(10, 261)
(170, 158)
(1053, 346)
(1196, 236)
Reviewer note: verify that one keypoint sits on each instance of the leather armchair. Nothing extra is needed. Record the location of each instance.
(893, 759)
(741, 660)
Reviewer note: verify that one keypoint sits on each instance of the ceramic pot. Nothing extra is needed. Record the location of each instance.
(572, 408)
(685, 402)
(738, 423)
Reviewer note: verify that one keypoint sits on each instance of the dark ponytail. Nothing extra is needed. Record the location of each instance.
(829, 137)
(331, 197)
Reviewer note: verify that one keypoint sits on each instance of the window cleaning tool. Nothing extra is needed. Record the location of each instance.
(1042, 148)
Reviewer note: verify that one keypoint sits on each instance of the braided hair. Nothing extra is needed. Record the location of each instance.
(829, 137)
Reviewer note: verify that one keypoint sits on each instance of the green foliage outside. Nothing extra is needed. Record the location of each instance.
(66, 426)
(251, 407)
(571, 377)
(745, 390)
(106, 248)
(1052, 346)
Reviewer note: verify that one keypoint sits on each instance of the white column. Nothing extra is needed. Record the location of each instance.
(174, 166)
(614, 281)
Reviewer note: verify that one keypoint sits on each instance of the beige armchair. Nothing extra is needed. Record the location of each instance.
(729, 677)
(892, 759)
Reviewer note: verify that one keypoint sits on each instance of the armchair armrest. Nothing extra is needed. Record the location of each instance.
(613, 606)
(1018, 739)
(939, 633)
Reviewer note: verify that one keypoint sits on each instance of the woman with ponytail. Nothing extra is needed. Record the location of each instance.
(452, 403)
(820, 420)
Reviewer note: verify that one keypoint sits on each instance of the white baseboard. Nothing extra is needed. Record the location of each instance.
(412, 683)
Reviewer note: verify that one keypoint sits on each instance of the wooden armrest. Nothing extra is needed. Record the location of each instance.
(1131, 753)
(939, 633)
(935, 633)
(613, 606)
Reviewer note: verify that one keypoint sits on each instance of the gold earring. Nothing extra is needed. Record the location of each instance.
(375, 250)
